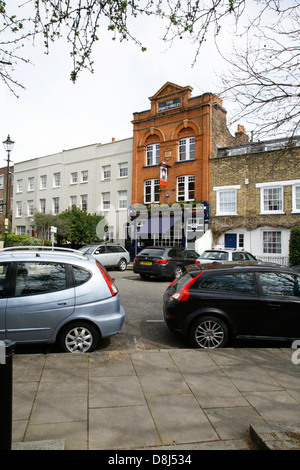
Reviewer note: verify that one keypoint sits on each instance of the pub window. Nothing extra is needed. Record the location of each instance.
(153, 154)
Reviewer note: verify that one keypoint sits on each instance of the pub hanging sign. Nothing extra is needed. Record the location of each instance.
(163, 177)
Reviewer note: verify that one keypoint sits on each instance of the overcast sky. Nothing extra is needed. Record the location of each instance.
(53, 114)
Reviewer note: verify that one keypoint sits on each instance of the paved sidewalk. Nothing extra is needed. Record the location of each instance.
(158, 399)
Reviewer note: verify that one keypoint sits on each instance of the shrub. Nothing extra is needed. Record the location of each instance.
(294, 248)
(21, 240)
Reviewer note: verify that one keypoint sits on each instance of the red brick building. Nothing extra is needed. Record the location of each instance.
(173, 142)
(183, 132)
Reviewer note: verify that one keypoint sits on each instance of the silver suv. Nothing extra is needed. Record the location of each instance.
(63, 296)
(223, 255)
(110, 255)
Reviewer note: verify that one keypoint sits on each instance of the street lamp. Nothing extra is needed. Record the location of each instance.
(8, 145)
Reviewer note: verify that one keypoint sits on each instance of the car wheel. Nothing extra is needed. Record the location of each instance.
(122, 264)
(178, 271)
(208, 333)
(79, 337)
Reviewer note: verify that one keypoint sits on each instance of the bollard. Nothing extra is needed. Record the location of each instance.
(6, 359)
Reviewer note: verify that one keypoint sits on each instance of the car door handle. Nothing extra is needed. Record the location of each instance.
(273, 305)
(62, 303)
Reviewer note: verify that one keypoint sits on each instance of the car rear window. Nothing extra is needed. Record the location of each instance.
(221, 255)
(235, 282)
(181, 281)
(81, 275)
(153, 252)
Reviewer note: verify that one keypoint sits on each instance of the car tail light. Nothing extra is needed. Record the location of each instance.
(109, 281)
(161, 261)
(135, 259)
(197, 262)
(183, 294)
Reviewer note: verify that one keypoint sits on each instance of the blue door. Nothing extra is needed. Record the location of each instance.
(230, 240)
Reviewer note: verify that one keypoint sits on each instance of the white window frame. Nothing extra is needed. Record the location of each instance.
(186, 179)
(1, 206)
(84, 202)
(21, 230)
(273, 239)
(43, 206)
(186, 149)
(222, 190)
(31, 183)
(1, 181)
(123, 170)
(153, 154)
(30, 208)
(106, 201)
(154, 195)
(19, 186)
(122, 200)
(18, 208)
(296, 198)
(56, 205)
(73, 201)
(74, 177)
(84, 176)
(106, 172)
(56, 179)
(43, 182)
(266, 200)
(275, 184)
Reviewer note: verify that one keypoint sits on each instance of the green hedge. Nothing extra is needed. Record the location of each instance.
(295, 246)
(21, 240)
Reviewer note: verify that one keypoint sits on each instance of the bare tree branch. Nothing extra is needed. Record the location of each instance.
(263, 78)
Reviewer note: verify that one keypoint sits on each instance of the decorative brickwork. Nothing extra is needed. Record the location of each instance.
(173, 117)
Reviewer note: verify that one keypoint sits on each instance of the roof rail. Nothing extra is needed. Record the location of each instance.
(40, 248)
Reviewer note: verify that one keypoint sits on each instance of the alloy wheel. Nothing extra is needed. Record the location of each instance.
(210, 333)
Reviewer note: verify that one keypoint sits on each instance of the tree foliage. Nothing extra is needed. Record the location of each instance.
(74, 226)
(264, 78)
(81, 227)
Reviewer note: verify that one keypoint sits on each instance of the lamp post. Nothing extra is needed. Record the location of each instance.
(8, 145)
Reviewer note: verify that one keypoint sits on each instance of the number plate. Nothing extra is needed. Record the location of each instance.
(146, 262)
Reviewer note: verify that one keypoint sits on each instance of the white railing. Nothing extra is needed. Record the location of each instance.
(283, 260)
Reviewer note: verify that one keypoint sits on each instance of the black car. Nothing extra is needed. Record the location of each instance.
(211, 304)
(163, 261)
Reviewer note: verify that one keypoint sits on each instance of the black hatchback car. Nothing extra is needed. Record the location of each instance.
(211, 304)
(163, 261)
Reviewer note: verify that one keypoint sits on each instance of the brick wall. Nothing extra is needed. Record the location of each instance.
(248, 170)
(202, 117)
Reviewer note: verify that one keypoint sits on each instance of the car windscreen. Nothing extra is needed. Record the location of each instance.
(87, 249)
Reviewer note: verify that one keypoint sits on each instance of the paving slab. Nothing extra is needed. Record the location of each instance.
(157, 399)
(57, 444)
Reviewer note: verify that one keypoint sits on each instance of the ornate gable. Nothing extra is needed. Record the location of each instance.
(169, 89)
